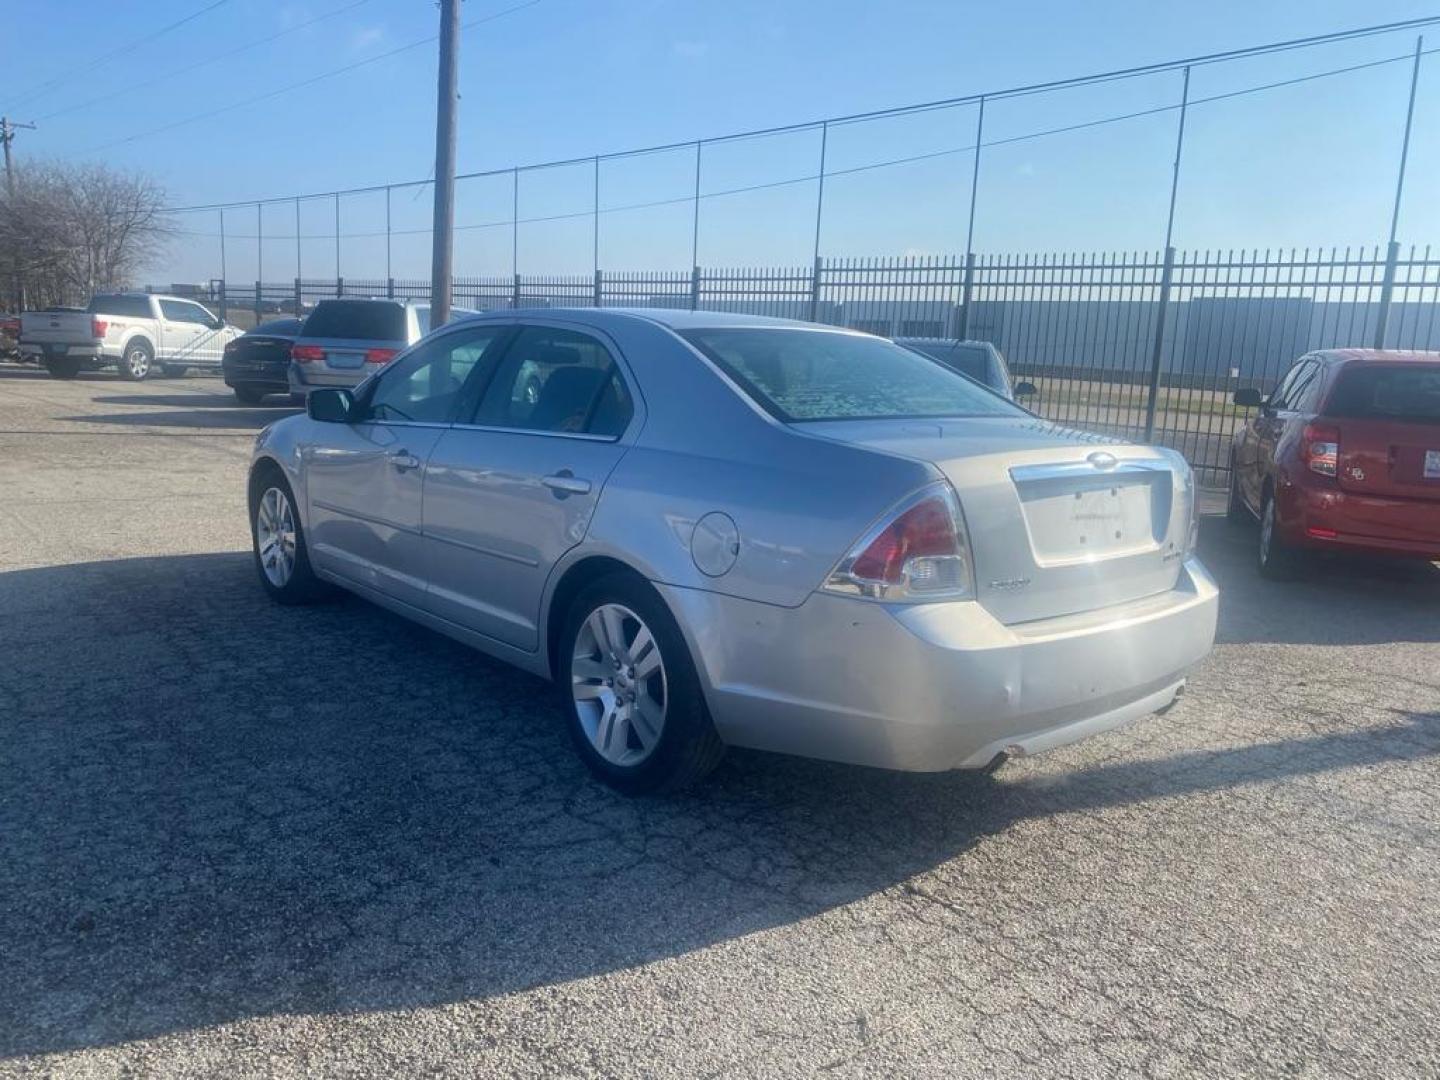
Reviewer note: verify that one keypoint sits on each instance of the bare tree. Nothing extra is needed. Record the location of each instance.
(72, 229)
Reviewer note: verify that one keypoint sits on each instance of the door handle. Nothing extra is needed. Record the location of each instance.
(403, 460)
(566, 483)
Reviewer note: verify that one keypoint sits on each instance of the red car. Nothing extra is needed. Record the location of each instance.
(1343, 455)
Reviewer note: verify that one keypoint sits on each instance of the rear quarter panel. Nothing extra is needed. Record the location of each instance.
(799, 502)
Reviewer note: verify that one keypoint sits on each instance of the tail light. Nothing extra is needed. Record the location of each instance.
(98, 327)
(1320, 448)
(919, 552)
(380, 356)
(306, 354)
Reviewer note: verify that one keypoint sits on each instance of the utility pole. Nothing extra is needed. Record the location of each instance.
(7, 136)
(442, 252)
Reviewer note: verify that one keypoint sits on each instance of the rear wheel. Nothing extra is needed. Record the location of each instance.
(136, 361)
(633, 700)
(62, 367)
(249, 395)
(1279, 561)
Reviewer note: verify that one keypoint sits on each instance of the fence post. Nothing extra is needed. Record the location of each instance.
(390, 288)
(598, 288)
(1387, 293)
(339, 286)
(966, 290)
(815, 290)
(299, 300)
(257, 301)
(515, 297)
(1157, 351)
(694, 288)
(223, 313)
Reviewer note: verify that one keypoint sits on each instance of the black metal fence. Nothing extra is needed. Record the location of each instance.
(1143, 345)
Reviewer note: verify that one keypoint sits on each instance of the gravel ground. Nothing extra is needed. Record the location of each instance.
(237, 839)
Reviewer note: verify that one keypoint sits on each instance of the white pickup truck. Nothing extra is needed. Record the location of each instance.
(136, 332)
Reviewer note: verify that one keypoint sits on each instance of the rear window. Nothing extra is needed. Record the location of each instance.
(134, 307)
(1388, 393)
(276, 328)
(800, 375)
(360, 320)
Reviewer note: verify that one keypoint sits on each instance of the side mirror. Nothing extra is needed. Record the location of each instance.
(1026, 389)
(1249, 397)
(217, 324)
(330, 405)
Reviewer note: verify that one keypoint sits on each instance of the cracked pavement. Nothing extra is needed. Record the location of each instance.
(238, 839)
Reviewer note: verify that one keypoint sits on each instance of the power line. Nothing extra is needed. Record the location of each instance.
(210, 113)
(830, 173)
(901, 110)
(121, 51)
(171, 73)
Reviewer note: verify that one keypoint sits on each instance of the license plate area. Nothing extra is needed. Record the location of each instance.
(344, 360)
(1085, 518)
(1431, 468)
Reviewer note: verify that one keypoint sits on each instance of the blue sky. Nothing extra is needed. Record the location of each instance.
(1309, 164)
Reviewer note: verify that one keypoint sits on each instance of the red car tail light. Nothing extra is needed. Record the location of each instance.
(1320, 448)
(98, 327)
(380, 356)
(918, 552)
(306, 354)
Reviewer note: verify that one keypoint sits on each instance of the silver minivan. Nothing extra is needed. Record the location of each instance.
(345, 339)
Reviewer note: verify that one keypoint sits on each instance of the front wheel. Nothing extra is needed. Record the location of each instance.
(634, 705)
(282, 557)
(136, 360)
(1278, 560)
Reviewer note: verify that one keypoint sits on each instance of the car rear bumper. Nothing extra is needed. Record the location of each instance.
(942, 686)
(1330, 518)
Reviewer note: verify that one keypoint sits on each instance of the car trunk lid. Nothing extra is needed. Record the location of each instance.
(1059, 521)
(1387, 417)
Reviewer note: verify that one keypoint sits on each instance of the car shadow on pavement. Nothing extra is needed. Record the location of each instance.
(1337, 600)
(216, 808)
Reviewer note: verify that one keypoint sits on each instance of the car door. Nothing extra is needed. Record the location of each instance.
(365, 480)
(209, 345)
(511, 489)
(1264, 433)
(180, 333)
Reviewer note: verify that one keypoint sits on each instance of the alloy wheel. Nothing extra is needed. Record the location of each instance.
(617, 679)
(275, 536)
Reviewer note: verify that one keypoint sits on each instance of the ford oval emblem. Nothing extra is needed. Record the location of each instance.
(1101, 460)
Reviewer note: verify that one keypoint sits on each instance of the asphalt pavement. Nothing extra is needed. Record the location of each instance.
(244, 840)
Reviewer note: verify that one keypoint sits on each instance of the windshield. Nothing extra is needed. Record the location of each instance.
(800, 375)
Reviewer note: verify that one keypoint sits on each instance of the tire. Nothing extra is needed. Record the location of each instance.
(594, 677)
(1278, 561)
(174, 371)
(62, 367)
(137, 361)
(1236, 512)
(270, 493)
(249, 395)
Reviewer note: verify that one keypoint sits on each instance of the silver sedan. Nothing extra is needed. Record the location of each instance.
(715, 530)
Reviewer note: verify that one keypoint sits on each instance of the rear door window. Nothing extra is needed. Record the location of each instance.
(357, 320)
(557, 380)
(133, 307)
(1410, 394)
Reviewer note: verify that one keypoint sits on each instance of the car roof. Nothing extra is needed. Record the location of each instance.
(1374, 356)
(674, 318)
(942, 342)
